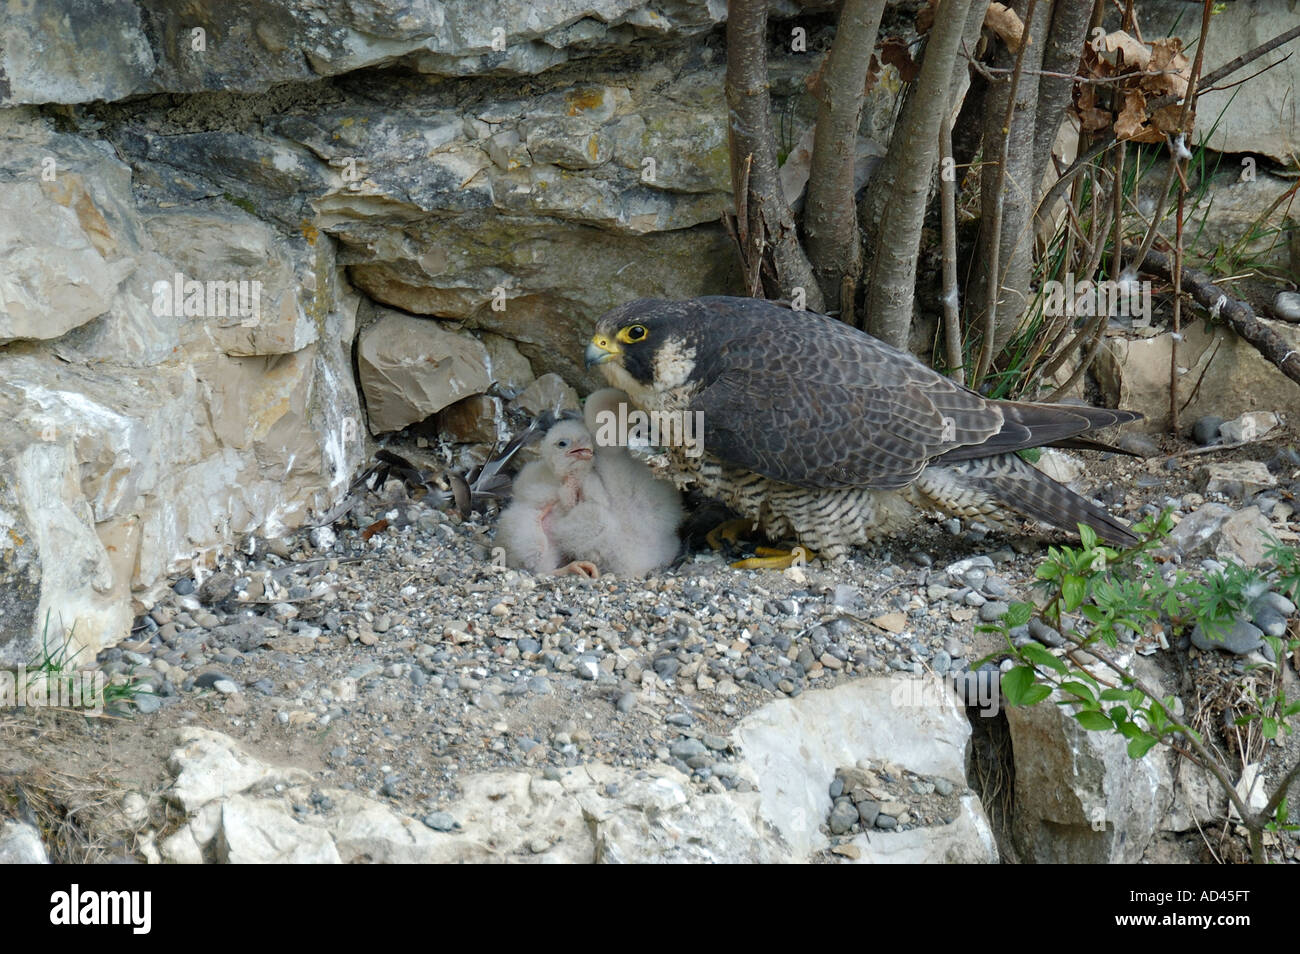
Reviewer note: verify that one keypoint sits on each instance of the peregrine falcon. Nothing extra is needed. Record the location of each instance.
(817, 431)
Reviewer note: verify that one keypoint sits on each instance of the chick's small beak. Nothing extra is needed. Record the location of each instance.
(600, 349)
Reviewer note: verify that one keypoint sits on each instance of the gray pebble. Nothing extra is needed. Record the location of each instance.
(1240, 637)
(868, 812)
(685, 749)
(440, 821)
(1206, 430)
(991, 612)
(843, 817)
(1045, 634)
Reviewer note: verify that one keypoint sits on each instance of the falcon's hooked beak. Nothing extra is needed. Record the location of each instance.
(601, 348)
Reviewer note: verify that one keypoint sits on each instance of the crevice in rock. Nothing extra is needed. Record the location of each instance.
(991, 772)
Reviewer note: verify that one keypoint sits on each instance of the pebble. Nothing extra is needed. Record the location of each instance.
(843, 816)
(1044, 634)
(1286, 306)
(441, 821)
(686, 749)
(1240, 637)
(1206, 430)
(991, 612)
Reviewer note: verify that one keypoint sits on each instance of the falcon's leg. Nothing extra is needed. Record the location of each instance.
(579, 568)
(772, 558)
(730, 531)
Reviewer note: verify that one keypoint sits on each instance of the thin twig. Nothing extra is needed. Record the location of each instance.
(948, 224)
(993, 290)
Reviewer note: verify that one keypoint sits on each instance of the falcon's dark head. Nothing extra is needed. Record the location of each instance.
(644, 346)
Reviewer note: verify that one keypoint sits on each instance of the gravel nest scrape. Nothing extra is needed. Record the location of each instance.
(403, 657)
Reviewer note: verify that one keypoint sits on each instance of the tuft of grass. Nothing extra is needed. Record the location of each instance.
(57, 667)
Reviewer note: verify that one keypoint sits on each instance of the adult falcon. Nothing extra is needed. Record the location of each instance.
(817, 431)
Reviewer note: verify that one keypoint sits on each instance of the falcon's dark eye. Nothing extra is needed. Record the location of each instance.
(633, 334)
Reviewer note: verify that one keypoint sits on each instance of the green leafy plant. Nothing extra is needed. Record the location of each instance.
(57, 667)
(1098, 597)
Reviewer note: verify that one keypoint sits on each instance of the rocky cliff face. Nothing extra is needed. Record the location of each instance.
(216, 219)
(202, 206)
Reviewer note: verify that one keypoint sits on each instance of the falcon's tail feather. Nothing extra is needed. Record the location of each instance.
(1021, 487)
(1044, 425)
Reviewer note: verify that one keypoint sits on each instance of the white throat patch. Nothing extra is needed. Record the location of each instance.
(674, 363)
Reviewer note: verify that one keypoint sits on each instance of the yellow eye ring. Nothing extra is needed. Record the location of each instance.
(632, 334)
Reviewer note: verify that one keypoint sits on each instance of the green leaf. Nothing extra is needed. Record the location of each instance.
(1037, 654)
(1017, 683)
(1037, 694)
(1268, 727)
(1114, 695)
(1093, 721)
(1087, 536)
(1018, 614)
(1079, 689)
(1073, 591)
(1292, 709)
(1094, 614)
(1140, 745)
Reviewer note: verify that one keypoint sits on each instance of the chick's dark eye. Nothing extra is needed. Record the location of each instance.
(563, 444)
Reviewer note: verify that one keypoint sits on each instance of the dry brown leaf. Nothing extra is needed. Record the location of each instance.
(1169, 69)
(1136, 53)
(1167, 119)
(925, 17)
(1006, 23)
(1131, 125)
(1093, 119)
(896, 54)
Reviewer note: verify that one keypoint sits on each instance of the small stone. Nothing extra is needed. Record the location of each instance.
(993, 611)
(1044, 634)
(1206, 430)
(843, 817)
(943, 786)
(868, 812)
(225, 687)
(626, 702)
(686, 749)
(1240, 638)
(1286, 306)
(1270, 622)
(886, 822)
(1250, 426)
(440, 821)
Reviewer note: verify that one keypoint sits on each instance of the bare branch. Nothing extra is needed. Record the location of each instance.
(948, 219)
(1239, 315)
(753, 151)
(1008, 141)
(830, 218)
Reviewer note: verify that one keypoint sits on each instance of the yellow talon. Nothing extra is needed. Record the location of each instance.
(730, 531)
(771, 558)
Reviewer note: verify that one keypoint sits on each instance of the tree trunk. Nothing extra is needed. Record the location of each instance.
(893, 209)
(765, 223)
(1008, 185)
(830, 219)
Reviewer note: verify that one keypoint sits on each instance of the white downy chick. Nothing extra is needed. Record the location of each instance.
(546, 491)
(637, 531)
